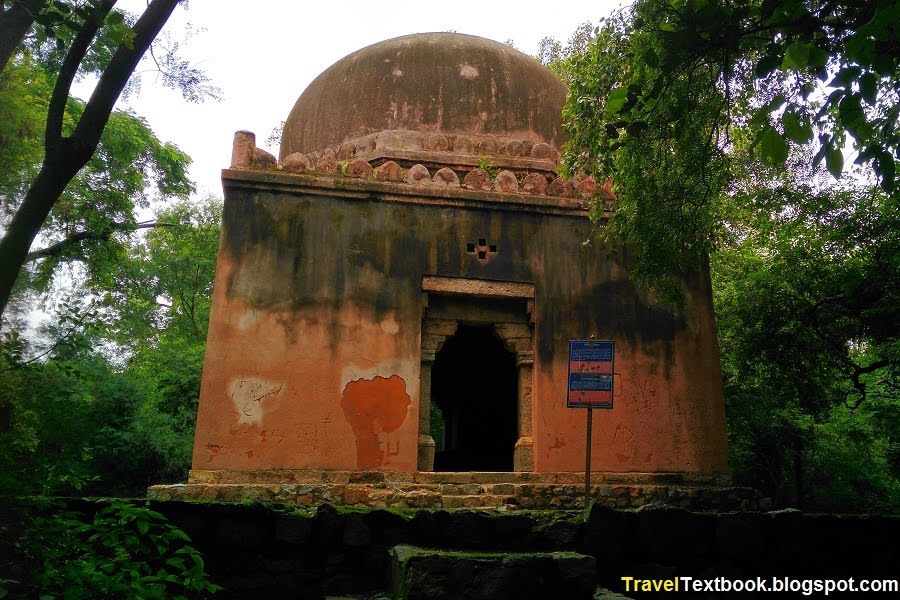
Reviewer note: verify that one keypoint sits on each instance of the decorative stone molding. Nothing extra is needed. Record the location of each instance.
(360, 169)
(389, 171)
(418, 175)
(562, 188)
(446, 177)
(478, 179)
(534, 184)
(350, 159)
(295, 163)
(506, 183)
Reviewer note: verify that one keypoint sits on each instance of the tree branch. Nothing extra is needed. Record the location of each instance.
(64, 159)
(74, 239)
(15, 22)
(77, 51)
(118, 71)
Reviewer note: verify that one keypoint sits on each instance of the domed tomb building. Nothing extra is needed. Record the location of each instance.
(395, 295)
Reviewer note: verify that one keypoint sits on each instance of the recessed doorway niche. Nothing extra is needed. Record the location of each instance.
(476, 372)
(474, 385)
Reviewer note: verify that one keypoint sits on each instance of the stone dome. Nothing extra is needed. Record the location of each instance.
(431, 83)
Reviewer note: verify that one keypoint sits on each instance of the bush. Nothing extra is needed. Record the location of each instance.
(124, 551)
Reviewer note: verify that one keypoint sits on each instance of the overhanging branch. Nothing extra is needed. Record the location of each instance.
(76, 238)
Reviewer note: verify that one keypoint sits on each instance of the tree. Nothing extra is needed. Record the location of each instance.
(66, 152)
(723, 127)
(721, 81)
(127, 363)
(95, 214)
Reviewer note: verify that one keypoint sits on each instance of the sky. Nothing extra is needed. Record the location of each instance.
(262, 55)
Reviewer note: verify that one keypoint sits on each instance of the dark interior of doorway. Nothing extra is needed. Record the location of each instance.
(474, 383)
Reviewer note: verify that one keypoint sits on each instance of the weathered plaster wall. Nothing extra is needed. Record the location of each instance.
(315, 335)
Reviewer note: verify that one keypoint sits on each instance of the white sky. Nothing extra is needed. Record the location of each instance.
(263, 54)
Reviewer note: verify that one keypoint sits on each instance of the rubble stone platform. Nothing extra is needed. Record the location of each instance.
(437, 490)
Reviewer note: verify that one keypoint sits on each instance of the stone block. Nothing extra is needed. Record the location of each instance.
(411, 140)
(477, 179)
(587, 186)
(503, 488)
(293, 529)
(439, 327)
(360, 169)
(739, 535)
(561, 188)
(248, 532)
(543, 151)
(488, 146)
(514, 148)
(356, 532)
(534, 184)
(346, 151)
(327, 164)
(295, 163)
(387, 140)
(672, 534)
(446, 177)
(262, 160)
(418, 175)
(506, 183)
(417, 574)
(463, 145)
(365, 144)
(389, 171)
(438, 142)
(513, 330)
(242, 149)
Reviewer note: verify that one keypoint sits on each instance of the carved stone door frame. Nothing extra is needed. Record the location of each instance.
(517, 337)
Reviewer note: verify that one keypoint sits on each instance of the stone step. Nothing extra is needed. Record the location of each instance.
(528, 496)
(477, 501)
(421, 573)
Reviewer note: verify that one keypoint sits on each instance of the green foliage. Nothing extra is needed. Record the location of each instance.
(94, 216)
(488, 166)
(123, 551)
(110, 406)
(808, 315)
(671, 98)
(723, 127)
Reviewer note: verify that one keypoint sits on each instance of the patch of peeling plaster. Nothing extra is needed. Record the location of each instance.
(248, 319)
(390, 325)
(405, 369)
(248, 395)
(468, 71)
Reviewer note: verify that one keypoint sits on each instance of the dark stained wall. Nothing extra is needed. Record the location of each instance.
(318, 302)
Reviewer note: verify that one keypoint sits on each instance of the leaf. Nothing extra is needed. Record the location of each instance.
(767, 64)
(796, 57)
(616, 100)
(800, 133)
(868, 87)
(834, 161)
(773, 150)
(846, 76)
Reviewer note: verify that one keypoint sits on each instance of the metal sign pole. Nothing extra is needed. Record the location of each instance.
(587, 462)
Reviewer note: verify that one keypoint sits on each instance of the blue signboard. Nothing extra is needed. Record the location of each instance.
(590, 374)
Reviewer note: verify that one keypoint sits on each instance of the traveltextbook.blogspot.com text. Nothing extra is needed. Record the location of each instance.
(760, 584)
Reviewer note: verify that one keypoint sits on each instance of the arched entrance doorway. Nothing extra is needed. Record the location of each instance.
(474, 384)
